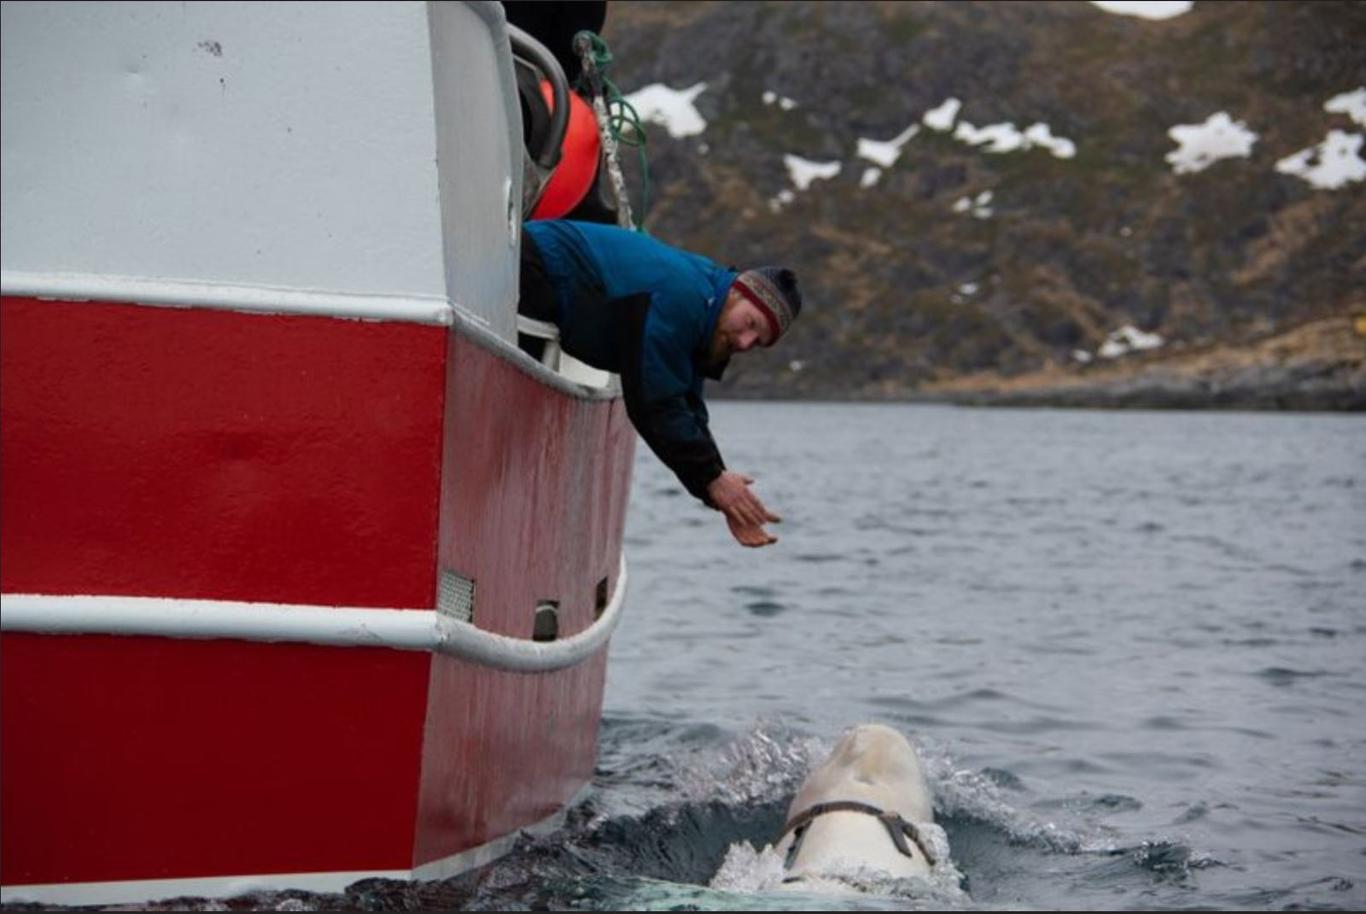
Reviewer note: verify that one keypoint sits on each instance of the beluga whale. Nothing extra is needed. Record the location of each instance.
(866, 812)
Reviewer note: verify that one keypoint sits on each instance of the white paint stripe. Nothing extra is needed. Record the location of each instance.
(420, 309)
(104, 893)
(401, 629)
(339, 626)
(143, 890)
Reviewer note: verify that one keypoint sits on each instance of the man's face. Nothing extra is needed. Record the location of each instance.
(741, 327)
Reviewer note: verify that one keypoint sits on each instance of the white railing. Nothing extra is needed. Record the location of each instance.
(335, 626)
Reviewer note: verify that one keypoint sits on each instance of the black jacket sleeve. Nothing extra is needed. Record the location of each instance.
(676, 430)
(674, 427)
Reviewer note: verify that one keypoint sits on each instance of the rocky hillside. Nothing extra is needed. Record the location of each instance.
(956, 267)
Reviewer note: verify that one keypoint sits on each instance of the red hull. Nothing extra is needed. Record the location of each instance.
(214, 455)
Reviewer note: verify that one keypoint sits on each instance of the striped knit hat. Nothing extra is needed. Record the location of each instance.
(774, 291)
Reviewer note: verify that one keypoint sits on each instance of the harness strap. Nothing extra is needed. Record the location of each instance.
(897, 828)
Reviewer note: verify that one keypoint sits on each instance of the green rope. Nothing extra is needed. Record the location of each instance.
(622, 118)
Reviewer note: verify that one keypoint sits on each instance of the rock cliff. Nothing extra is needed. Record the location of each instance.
(987, 201)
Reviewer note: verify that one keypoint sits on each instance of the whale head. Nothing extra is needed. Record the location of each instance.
(860, 810)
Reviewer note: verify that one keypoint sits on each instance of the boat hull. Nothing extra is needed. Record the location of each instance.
(196, 454)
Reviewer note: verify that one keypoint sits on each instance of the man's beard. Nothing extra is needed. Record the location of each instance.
(720, 351)
(718, 356)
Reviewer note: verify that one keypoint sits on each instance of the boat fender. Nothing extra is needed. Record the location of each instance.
(578, 166)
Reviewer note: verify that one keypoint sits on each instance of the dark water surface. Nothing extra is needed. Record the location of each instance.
(1130, 646)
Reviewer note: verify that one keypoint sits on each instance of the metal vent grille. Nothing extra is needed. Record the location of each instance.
(455, 596)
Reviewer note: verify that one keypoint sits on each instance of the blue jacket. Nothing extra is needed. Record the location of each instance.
(637, 307)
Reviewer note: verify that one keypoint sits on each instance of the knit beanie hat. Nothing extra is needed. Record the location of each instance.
(774, 291)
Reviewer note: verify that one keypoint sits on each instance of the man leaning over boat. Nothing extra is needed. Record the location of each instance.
(665, 320)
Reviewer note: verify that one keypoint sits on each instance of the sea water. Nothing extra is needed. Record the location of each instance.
(1130, 647)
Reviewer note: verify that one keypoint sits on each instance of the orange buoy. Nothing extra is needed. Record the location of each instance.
(578, 166)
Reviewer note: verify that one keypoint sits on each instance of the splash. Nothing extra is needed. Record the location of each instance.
(976, 795)
(746, 869)
(750, 871)
(766, 765)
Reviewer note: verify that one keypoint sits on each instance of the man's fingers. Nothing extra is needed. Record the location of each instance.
(766, 516)
(744, 510)
(751, 535)
(755, 537)
(753, 505)
(744, 514)
(754, 515)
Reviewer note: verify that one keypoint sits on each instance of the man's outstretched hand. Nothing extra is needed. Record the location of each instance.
(749, 534)
(745, 513)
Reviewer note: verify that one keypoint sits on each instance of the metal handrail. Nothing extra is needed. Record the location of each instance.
(526, 46)
(399, 629)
